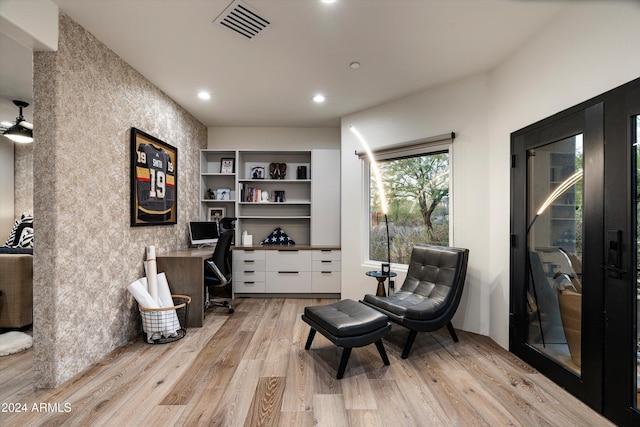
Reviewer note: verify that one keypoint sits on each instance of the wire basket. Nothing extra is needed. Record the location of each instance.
(167, 324)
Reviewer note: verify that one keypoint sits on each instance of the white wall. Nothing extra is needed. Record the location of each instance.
(459, 107)
(273, 138)
(588, 49)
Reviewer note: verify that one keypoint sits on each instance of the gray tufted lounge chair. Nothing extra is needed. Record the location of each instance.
(430, 294)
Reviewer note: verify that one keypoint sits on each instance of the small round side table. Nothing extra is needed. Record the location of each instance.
(381, 277)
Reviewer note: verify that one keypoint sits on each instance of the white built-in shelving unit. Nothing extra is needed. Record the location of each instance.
(261, 202)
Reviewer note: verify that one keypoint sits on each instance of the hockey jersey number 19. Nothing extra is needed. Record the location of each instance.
(155, 184)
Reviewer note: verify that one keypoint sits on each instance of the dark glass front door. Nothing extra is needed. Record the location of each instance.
(556, 284)
(575, 250)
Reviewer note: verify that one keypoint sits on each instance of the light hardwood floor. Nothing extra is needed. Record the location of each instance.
(250, 368)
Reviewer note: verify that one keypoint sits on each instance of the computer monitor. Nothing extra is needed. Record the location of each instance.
(203, 233)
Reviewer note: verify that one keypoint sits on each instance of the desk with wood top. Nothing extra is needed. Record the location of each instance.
(185, 273)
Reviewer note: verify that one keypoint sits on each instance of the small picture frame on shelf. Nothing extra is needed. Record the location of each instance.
(257, 172)
(227, 165)
(223, 194)
(216, 214)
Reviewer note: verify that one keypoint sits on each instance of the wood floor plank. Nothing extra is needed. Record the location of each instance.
(277, 359)
(419, 396)
(356, 388)
(215, 383)
(224, 374)
(491, 411)
(329, 411)
(263, 326)
(200, 371)
(233, 408)
(297, 418)
(391, 405)
(365, 418)
(266, 403)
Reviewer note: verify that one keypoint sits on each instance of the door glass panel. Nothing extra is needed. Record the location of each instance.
(554, 250)
(635, 132)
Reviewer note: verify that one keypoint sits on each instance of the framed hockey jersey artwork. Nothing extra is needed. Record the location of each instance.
(154, 180)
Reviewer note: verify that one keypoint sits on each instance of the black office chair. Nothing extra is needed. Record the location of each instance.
(217, 272)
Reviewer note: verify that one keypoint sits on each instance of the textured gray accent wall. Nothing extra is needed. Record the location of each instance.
(86, 101)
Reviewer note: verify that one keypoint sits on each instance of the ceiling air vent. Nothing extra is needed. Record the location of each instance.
(243, 20)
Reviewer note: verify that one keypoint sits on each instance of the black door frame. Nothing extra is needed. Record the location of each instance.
(605, 382)
(588, 386)
(620, 289)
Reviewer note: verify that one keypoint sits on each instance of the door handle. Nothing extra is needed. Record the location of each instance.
(614, 255)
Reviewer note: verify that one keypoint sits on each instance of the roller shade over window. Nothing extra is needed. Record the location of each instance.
(411, 148)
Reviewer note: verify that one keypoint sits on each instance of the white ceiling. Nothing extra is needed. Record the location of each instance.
(404, 46)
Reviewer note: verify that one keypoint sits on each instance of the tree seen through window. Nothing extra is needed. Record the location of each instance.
(417, 193)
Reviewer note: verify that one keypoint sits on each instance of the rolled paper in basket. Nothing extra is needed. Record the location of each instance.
(152, 273)
(164, 293)
(139, 291)
(172, 324)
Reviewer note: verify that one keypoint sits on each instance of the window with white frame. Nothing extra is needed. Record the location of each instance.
(415, 180)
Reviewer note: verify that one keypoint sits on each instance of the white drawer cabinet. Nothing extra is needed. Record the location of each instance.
(325, 282)
(294, 282)
(325, 272)
(249, 255)
(248, 287)
(248, 271)
(303, 271)
(326, 255)
(286, 260)
(288, 271)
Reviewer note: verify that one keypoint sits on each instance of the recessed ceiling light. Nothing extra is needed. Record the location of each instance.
(204, 95)
(355, 65)
(318, 98)
(328, 1)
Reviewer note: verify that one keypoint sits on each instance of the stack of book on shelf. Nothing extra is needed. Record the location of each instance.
(252, 194)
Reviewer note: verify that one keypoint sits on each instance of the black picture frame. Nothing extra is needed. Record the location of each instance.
(154, 180)
(257, 172)
(227, 165)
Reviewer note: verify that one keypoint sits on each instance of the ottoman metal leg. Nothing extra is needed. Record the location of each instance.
(312, 334)
(346, 352)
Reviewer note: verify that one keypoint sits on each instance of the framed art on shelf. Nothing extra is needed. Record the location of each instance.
(216, 214)
(154, 180)
(223, 194)
(257, 172)
(227, 165)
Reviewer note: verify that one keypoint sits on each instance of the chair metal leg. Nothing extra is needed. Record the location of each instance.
(312, 333)
(382, 351)
(343, 361)
(408, 344)
(452, 332)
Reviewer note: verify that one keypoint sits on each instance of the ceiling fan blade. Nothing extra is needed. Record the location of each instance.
(26, 124)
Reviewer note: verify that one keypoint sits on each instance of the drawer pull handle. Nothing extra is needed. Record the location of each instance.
(326, 272)
(287, 250)
(326, 262)
(248, 261)
(287, 272)
(249, 271)
(249, 283)
(325, 250)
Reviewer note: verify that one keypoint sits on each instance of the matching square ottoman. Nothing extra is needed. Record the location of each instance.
(347, 324)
